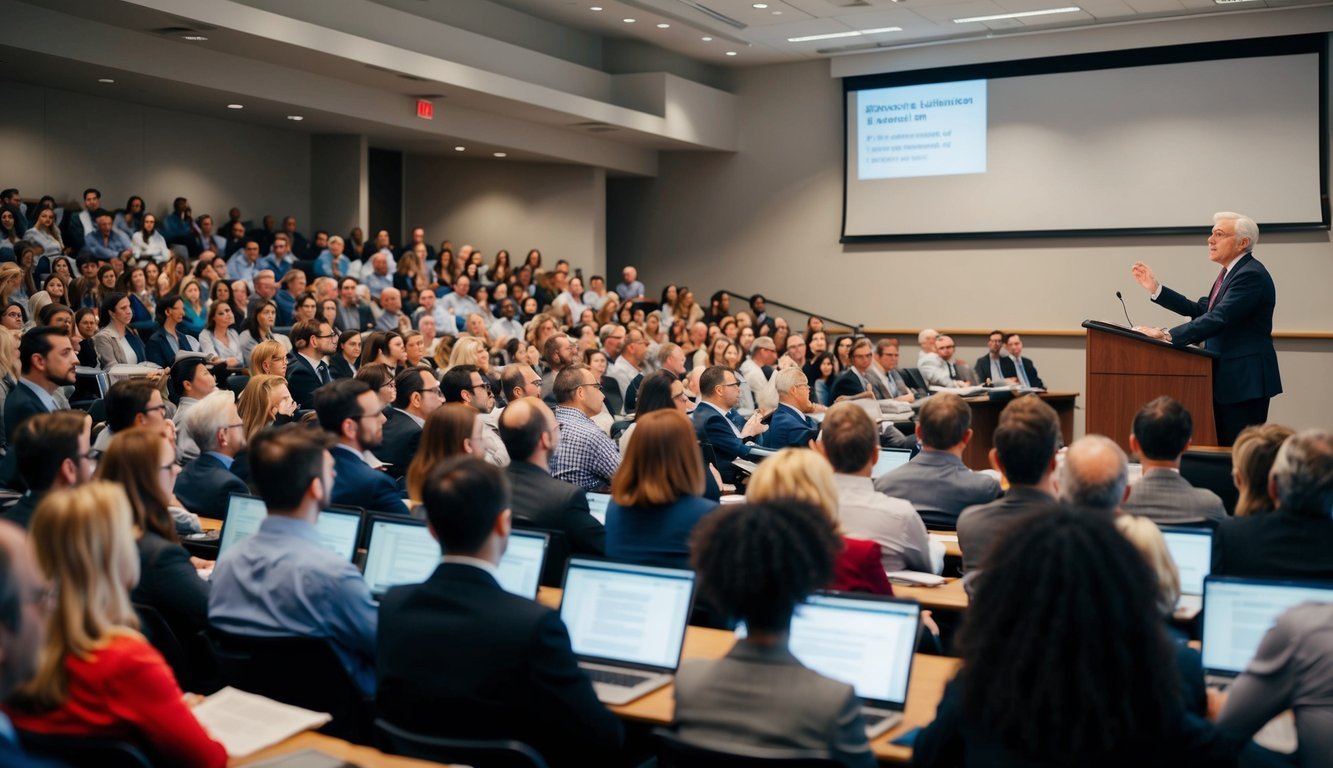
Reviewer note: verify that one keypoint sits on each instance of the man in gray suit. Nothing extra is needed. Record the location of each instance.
(1161, 433)
(937, 482)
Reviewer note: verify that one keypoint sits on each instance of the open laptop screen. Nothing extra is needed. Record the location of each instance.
(244, 515)
(629, 614)
(597, 503)
(520, 569)
(889, 460)
(1237, 613)
(399, 551)
(339, 530)
(1192, 551)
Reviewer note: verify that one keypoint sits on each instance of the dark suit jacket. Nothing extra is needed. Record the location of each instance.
(204, 487)
(848, 383)
(402, 438)
(1007, 369)
(168, 583)
(358, 485)
(459, 656)
(713, 428)
(302, 380)
(788, 429)
(339, 368)
(21, 404)
(159, 349)
(981, 526)
(541, 501)
(1276, 545)
(1239, 328)
(21, 512)
(984, 371)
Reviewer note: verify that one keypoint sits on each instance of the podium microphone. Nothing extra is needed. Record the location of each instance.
(1126, 309)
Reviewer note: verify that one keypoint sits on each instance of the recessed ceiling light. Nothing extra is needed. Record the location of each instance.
(194, 38)
(500, 154)
(1019, 15)
(459, 149)
(760, 6)
(105, 80)
(731, 53)
(1229, 2)
(595, 8)
(664, 25)
(297, 118)
(235, 106)
(629, 21)
(851, 33)
(777, 13)
(706, 39)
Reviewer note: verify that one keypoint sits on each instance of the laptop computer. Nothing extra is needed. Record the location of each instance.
(520, 570)
(1236, 614)
(1192, 551)
(626, 624)
(889, 460)
(866, 641)
(400, 550)
(244, 515)
(597, 503)
(339, 528)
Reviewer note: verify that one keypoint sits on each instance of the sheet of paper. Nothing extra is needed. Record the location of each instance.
(246, 722)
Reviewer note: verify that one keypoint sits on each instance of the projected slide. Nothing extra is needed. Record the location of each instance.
(921, 130)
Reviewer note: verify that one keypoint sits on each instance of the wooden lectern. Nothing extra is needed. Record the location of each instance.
(1127, 369)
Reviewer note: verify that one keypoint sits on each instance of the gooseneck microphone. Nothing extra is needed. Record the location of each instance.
(1126, 309)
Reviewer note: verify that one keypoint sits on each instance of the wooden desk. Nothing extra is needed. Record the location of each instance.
(949, 597)
(986, 417)
(210, 524)
(929, 676)
(950, 541)
(365, 757)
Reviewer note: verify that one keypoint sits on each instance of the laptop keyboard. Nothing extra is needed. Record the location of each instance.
(609, 677)
(873, 719)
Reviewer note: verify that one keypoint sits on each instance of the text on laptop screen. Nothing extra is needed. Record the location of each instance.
(521, 567)
(399, 553)
(1192, 551)
(889, 460)
(866, 643)
(1238, 612)
(597, 503)
(244, 515)
(338, 531)
(627, 613)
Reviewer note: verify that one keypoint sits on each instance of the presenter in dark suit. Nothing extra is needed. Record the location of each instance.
(720, 390)
(459, 656)
(351, 411)
(1234, 320)
(790, 426)
(206, 484)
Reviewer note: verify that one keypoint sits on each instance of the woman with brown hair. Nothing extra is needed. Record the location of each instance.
(265, 399)
(657, 494)
(1251, 460)
(96, 674)
(143, 461)
(383, 347)
(451, 429)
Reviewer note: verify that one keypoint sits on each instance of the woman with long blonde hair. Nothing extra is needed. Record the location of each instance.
(96, 675)
(268, 357)
(451, 429)
(265, 399)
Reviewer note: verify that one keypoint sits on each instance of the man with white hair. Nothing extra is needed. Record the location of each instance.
(205, 484)
(631, 289)
(391, 301)
(1235, 320)
(941, 369)
(790, 427)
(926, 340)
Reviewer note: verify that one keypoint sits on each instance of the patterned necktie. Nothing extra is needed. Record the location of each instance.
(324, 373)
(1217, 287)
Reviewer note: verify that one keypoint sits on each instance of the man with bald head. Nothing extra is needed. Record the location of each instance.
(25, 600)
(391, 301)
(1095, 476)
(531, 434)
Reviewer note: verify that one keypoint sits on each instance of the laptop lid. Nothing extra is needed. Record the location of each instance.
(520, 570)
(866, 641)
(889, 460)
(1237, 612)
(1192, 551)
(399, 550)
(625, 614)
(244, 515)
(597, 503)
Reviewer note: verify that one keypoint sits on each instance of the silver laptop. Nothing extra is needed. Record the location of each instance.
(626, 624)
(520, 570)
(1238, 612)
(339, 529)
(597, 503)
(1192, 551)
(865, 641)
(889, 460)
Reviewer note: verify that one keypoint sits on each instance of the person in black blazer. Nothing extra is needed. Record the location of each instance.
(351, 411)
(528, 430)
(459, 656)
(1293, 541)
(1008, 370)
(417, 396)
(790, 427)
(50, 452)
(307, 368)
(1234, 320)
(349, 346)
(719, 391)
(206, 484)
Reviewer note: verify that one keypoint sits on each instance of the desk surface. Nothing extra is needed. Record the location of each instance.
(210, 523)
(365, 757)
(948, 597)
(950, 541)
(929, 676)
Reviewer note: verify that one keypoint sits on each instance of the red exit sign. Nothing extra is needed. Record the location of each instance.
(425, 110)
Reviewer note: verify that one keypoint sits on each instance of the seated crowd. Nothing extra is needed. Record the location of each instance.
(164, 366)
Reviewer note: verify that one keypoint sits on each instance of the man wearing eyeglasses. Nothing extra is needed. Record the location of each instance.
(466, 384)
(307, 371)
(417, 395)
(715, 422)
(205, 484)
(132, 403)
(350, 410)
(586, 456)
(52, 453)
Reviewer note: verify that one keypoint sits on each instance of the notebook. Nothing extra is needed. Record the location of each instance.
(626, 624)
(400, 550)
(597, 503)
(1192, 551)
(339, 528)
(1236, 614)
(889, 460)
(865, 641)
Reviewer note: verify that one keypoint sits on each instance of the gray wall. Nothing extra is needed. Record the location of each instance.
(768, 218)
(57, 142)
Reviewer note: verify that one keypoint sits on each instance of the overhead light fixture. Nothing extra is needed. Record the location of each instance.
(731, 53)
(706, 39)
(850, 33)
(297, 118)
(194, 38)
(629, 21)
(595, 8)
(760, 6)
(1019, 15)
(1231, 2)
(459, 149)
(664, 25)
(235, 106)
(106, 80)
(501, 154)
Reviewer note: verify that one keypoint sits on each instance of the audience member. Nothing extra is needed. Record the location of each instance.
(1294, 540)
(629, 360)
(1094, 477)
(131, 403)
(886, 371)
(941, 369)
(630, 289)
(307, 370)
(936, 481)
(585, 455)
(190, 380)
(350, 411)
(558, 353)
(52, 451)
(926, 341)
(1161, 434)
(790, 426)
(756, 563)
(1026, 439)
(97, 676)
(988, 367)
(46, 362)
(716, 423)
(1016, 368)
(1251, 460)
(417, 395)
(467, 384)
(353, 315)
(206, 484)
(346, 356)
(282, 580)
(451, 430)
(25, 596)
